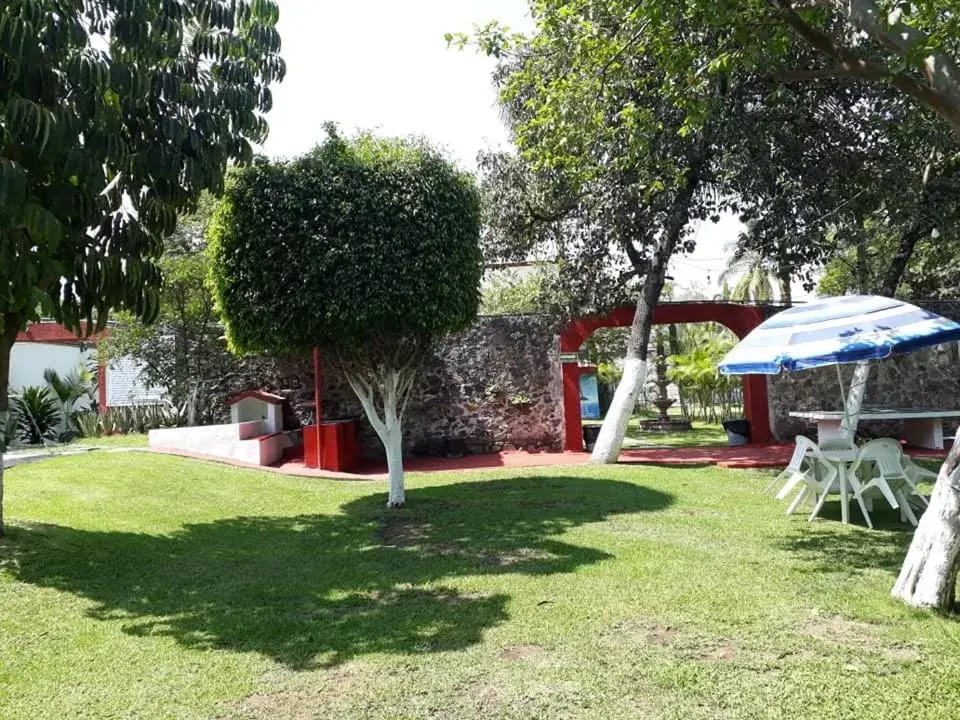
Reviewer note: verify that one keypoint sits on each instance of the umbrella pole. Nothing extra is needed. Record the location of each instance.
(854, 400)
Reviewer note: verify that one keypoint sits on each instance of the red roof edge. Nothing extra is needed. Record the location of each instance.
(266, 397)
(49, 332)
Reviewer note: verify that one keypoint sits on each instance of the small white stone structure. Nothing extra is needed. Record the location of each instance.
(255, 436)
(258, 405)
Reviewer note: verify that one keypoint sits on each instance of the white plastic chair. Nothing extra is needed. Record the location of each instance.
(808, 467)
(890, 479)
(796, 465)
(916, 474)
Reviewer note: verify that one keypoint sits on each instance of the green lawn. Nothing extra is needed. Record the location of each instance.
(141, 586)
(702, 435)
(114, 441)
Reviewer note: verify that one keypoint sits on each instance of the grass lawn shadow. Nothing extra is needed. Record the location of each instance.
(317, 590)
(830, 551)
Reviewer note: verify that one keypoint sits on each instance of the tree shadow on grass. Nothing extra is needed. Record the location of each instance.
(317, 590)
(827, 546)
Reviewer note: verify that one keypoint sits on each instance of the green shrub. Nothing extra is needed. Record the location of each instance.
(38, 415)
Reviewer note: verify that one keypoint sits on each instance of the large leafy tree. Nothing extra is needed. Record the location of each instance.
(366, 248)
(114, 116)
(615, 166)
(849, 159)
(181, 351)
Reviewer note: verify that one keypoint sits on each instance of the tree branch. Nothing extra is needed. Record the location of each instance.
(942, 72)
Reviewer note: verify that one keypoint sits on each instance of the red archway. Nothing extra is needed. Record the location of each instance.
(740, 319)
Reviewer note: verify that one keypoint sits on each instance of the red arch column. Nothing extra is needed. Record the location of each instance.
(740, 319)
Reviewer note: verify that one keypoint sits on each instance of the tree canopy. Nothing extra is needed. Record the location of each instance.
(357, 240)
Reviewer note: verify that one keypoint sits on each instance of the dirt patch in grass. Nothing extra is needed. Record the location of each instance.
(721, 653)
(903, 653)
(841, 630)
(313, 700)
(859, 635)
(403, 532)
(485, 697)
(642, 631)
(522, 652)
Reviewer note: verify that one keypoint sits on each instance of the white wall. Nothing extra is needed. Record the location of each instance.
(30, 359)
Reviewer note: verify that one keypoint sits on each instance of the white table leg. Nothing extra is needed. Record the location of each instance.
(844, 501)
(924, 433)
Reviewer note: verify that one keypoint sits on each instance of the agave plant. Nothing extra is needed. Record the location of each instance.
(38, 415)
(88, 424)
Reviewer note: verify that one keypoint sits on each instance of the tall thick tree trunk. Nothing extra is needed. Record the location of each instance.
(8, 337)
(614, 428)
(928, 578)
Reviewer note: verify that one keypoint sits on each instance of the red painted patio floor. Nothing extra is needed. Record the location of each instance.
(774, 455)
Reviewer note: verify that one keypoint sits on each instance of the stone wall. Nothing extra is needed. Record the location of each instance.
(925, 379)
(494, 386)
(497, 385)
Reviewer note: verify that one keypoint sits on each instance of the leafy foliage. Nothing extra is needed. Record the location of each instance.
(513, 293)
(358, 241)
(37, 415)
(71, 390)
(113, 118)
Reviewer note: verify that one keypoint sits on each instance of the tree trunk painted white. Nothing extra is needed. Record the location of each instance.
(393, 387)
(614, 428)
(394, 447)
(928, 578)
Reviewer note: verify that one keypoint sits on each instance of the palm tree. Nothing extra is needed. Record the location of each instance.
(753, 277)
(756, 273)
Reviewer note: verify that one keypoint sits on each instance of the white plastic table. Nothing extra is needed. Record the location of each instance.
(921, 428)
(846, 485)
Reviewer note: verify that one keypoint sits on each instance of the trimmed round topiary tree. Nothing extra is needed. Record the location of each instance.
(367, 248)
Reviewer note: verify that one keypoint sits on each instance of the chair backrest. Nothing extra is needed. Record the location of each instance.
(800, 452)
(885, 453)
(809, 447)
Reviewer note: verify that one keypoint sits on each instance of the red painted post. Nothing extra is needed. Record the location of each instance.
(102, 388)
(573, 430)
(317, 409)
(755, 408)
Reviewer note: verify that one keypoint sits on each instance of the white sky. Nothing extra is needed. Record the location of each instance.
(384, 65)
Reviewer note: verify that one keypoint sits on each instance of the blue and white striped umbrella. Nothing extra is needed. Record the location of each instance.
(837, 330)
